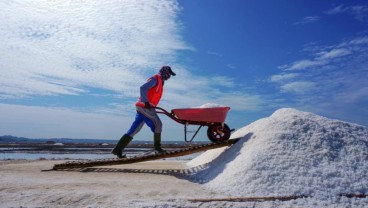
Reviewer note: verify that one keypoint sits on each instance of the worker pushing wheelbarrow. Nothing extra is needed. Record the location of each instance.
(147, 110)
(213, 118)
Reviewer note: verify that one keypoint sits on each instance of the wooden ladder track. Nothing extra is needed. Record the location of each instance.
(129, 160)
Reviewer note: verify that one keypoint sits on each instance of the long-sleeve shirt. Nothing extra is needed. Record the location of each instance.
(145, 87)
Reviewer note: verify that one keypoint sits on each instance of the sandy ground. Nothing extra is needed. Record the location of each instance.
(24, 184)
(146, 184)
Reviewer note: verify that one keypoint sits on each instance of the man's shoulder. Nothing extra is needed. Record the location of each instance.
(155, 78)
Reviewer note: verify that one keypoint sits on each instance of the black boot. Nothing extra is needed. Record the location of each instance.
(157, 143)
(123, 142)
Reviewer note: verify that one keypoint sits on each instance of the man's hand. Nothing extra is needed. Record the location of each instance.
(147, 105)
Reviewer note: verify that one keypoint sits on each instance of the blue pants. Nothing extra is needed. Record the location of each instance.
(145, 116)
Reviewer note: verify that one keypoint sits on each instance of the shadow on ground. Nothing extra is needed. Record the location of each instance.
(194, 174)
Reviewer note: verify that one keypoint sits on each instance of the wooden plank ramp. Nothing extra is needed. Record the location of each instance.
(177, 153)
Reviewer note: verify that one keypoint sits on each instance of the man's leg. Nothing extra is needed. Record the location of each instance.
(123, 142)
(128, 137)
(151, 118)
(157, 142)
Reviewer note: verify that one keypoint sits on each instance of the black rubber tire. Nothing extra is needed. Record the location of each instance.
(218, 133)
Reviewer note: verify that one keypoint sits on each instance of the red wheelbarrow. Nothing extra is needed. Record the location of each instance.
(214, 118)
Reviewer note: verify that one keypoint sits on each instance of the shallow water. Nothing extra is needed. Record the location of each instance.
(19, 155)
(52, 156)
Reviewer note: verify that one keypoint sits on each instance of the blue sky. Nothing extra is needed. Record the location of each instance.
(73, 68)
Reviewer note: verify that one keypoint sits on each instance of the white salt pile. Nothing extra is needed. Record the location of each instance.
(290, 153)
(210, 105)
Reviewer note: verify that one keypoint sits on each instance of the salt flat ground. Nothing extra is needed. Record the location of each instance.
(24, 184)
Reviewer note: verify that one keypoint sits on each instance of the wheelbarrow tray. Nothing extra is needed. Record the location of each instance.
(205, 115)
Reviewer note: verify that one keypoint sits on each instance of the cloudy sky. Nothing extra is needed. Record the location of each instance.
(73, 68)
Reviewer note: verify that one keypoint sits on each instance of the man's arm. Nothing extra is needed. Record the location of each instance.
(145, 87)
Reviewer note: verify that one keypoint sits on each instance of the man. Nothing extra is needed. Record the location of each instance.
(150, 95)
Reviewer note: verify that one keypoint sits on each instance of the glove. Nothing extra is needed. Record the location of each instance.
(147, 105)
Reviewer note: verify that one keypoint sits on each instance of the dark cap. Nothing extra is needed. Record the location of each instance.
(168, 70)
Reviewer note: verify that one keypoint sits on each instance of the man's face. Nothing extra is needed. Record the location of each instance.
(167, 77)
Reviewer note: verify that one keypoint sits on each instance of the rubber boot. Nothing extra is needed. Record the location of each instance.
(157, 142)
(123, 142)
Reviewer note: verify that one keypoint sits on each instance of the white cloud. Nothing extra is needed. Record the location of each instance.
(61, 47)
(359, 12)
(334, 80)
(354, 96)
(213, 53)
(306, 20)
(283, 77)
(335, 10)
(303, 64)
(355, 42)
(67, 47)
(231, 66)
(321, 58)
(334, 53)
(298, 87)
(223, 81)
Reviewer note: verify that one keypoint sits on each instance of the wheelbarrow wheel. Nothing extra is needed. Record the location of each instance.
(218, 132)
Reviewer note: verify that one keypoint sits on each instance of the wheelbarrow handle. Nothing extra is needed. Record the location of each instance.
(161, 110)
(167, 113)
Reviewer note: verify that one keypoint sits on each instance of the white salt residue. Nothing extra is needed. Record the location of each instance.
(292, 153)
(206, 157)
(210, 105)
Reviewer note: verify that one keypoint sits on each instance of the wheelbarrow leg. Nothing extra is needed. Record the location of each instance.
(185, 133)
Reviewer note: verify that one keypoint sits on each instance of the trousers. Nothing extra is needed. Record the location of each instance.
(145, 116)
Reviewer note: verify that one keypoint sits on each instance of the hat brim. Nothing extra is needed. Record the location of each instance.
(171, 72)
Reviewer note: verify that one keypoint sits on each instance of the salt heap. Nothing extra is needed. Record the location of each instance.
(290, 153)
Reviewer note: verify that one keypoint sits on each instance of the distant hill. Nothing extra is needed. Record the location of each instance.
(8, 139)
(14, 139)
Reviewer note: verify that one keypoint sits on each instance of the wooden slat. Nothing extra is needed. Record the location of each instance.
(169, 154)
(248, 199)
